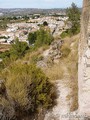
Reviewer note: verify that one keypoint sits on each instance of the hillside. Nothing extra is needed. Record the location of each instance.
(60, 73)
(39, 68)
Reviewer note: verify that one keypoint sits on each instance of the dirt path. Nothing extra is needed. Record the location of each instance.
(66, 88)
(62, 108)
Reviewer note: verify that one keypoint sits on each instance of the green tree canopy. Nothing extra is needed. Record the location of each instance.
(31, 37)
(73, 13)
(19, 48)
(45, 23)
(40, 37)
(44, 37)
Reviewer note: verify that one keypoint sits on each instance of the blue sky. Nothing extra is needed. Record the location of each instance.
(38, 3)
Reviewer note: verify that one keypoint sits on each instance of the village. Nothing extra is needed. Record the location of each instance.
(21, 30)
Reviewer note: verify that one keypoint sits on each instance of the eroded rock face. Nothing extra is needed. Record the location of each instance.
(51, 55)
(84, 62)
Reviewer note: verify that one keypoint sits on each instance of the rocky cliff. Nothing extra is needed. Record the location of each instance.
(84, 61)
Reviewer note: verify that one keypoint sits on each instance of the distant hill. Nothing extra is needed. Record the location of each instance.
(26, 11)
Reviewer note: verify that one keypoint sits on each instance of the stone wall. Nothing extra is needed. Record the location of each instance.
(84, 61)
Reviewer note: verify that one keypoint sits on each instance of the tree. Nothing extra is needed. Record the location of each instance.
(44, 37)
(45, 23)
(19, 48)
(74, 17)
(31, 37)
(26, 17)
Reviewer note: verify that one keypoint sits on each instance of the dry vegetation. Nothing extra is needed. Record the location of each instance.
(68, 61)
(55, 72)
(72, 66)
(4, 47)
(21, 73)
(67, 68)
(35, 55)
(27, 88)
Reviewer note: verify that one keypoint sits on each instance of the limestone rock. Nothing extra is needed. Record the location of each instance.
(54, 52)
(41, 64)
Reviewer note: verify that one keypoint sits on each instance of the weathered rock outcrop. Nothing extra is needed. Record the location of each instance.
(84, 62)
(51, 55)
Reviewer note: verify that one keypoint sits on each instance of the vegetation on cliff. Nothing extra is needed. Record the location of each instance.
(73, 13)
(28, 87)
(40, 37)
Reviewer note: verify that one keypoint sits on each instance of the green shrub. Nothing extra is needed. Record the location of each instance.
(73, 13)
(4, 54)
(28, 86)
(40, 38)
(45, 23)
(64, 34)
(31, 38)
(44, 37)
(19, 49)
(67, 33)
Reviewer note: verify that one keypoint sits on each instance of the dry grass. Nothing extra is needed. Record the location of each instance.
(67, 68)
(72, 66)
(30, 55)
(68, 63)
(4, 47)
(55, 72)
(16, 82)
